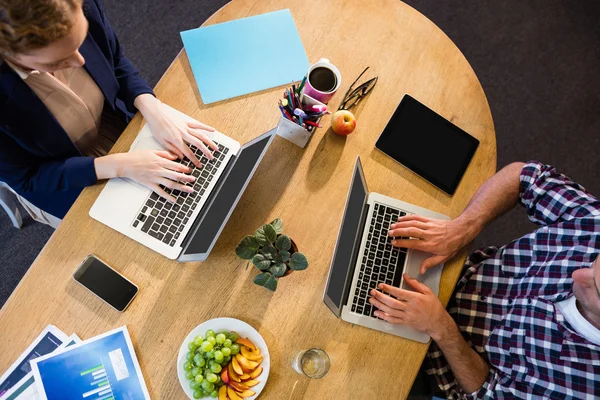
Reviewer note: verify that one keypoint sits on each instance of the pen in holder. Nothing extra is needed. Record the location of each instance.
(300, 115)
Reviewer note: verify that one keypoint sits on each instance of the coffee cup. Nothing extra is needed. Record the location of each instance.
(322, 81)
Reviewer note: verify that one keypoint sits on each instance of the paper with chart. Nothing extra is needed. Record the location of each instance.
(101, 368)
(26, 389)
(46, 342)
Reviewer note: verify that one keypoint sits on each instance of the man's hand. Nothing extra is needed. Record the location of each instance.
(421, 310)
(173, 131)
(440, 237)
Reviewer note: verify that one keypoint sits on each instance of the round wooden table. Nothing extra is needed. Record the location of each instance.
(305, 187)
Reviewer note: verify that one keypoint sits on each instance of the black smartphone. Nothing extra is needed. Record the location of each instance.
(105, 282)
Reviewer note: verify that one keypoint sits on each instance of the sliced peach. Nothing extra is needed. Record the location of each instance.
(245, 363)
(247, 393)
(246, 342)
(251, 383)
(236, 366)
(232, 394)
(232, 374)
(225, 375)
(223, 393)
(256, 372)
(245, 377)
(250, 355)
(240, 387)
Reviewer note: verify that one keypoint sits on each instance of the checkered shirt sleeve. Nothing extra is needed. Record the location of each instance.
(504, 302)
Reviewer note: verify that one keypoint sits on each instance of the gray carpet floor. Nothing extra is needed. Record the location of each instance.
(537, 61)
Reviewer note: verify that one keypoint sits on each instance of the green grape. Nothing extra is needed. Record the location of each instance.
(212, 340)
(192, 346)
(214, 394)
(225, 351)
(197, 359)
(189, 356)
(210, 354)
(198, 340)
(219, 381)
(189, 376)
(206, 346)
(199, 378)
(194, 385)
(221, 338)
(227, 359)
(208, 386)
(216, 368)
(212, 378)
(198, 394)
(210, 333)
(235, 349)
(219, 355)
(195, 371)
(201, 362)
(187, 366)
(233, 336)
(227, 343)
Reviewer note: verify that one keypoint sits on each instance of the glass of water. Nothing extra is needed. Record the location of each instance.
(313, 363)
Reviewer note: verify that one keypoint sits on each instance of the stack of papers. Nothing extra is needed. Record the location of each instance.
(56, 366)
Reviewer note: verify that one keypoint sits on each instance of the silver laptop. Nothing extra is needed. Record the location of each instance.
(364, 257)
(188, 229)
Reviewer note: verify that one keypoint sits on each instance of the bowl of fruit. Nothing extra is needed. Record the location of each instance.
(223, 358)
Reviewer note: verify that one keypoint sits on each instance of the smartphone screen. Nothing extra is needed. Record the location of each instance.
(105, 283)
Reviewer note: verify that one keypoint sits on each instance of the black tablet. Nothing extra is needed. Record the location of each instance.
(428, 144)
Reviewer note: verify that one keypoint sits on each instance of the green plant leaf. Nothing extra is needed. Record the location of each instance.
(278, 269)
(261, 237)
(270, 233)
(277, 224)
(269, 251)
(261, 262)
(267, 280)
(283, 256)
(298, 262)
(283, 242)
(247, 248)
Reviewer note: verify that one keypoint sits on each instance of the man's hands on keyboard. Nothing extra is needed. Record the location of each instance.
(440, 237)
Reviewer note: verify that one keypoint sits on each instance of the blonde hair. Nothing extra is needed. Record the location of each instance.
(32, 24)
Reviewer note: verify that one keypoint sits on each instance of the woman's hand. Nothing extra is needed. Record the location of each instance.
(151, 168)
(421, 309)
(442, 238)
(174, 131)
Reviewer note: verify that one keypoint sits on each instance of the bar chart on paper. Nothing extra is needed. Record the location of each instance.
(102, 368)
(100, 388)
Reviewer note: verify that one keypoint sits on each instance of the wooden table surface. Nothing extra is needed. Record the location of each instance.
(305, 187)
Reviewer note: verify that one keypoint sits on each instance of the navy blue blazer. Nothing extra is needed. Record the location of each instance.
(37, 158)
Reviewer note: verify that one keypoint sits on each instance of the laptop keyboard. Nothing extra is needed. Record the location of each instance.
(381, 262)
(164, 220)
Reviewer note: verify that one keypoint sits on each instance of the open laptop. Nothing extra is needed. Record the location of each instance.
(188, 229)
(364, 257)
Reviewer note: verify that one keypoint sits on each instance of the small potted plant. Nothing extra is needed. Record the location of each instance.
(273, 253)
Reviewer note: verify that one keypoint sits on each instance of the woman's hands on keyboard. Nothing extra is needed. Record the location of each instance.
(151, 168)
(174, 131)
(442, 238)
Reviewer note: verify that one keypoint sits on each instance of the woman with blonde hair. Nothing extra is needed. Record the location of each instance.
(66, 92)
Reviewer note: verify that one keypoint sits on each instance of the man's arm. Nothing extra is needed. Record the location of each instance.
(444, 239)
(422, 310)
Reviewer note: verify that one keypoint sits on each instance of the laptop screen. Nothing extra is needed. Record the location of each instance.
(341, 269)
(225, 198)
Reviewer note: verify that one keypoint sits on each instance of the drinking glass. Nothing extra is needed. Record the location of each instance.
(313, 363)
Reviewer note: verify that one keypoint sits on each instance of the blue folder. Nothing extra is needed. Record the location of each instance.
(246, 55)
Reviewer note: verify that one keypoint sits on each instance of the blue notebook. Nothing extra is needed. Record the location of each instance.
(246, 55)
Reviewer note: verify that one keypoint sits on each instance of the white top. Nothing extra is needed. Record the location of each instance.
(568, 308)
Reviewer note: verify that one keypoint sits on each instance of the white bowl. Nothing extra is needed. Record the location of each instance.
(225, 324)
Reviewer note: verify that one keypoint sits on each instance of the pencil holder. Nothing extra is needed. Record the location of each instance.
(294, 132)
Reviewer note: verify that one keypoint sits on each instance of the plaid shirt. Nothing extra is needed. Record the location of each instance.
(504, 304)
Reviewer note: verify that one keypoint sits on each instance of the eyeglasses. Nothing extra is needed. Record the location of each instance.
(354, 96)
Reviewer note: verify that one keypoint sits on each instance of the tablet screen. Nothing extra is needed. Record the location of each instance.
(428, 144)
